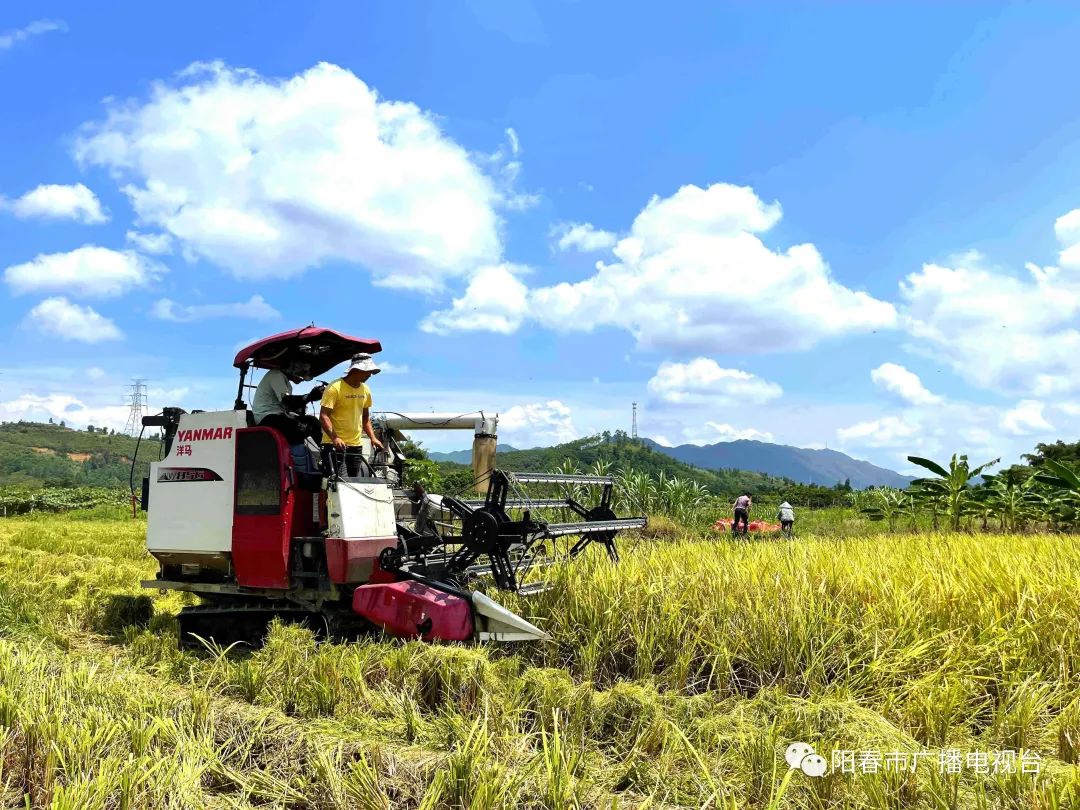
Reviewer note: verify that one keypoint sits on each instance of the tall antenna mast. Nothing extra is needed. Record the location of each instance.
(633, 428)
(137, 400)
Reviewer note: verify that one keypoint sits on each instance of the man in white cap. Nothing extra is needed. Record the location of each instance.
(346, 417)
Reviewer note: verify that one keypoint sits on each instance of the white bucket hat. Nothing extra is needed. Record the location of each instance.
(363, 362)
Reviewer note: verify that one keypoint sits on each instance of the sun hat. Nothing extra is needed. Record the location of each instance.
(363, 362)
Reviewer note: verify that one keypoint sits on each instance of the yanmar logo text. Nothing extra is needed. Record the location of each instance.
(203, 434)
(174, 474)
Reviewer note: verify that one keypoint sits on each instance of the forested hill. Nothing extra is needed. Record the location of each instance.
(35, 454)
(825, 467)
(635, 454)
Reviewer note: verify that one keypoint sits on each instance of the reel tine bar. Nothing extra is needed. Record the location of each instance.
(485, 538)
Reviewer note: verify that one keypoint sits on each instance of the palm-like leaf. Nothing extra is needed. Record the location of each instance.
(975, 473)
(932, 466)
(1060, 476)
(951, 486)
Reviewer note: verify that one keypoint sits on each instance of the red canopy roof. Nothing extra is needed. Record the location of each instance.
(321, 348)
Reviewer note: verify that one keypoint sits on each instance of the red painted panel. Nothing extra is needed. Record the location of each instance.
(379, 574)
(303, 517)
(260, 542)
(277, 350)
(353, 560)
(408, 609)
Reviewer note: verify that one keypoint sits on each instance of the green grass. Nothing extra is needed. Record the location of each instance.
(676, 679)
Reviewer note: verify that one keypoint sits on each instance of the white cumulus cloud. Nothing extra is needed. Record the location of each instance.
(1067, 230)
(153, 243)
(66, 408)
(495, 301)
(1014, 334)
(694, 276)
(903, 384)
(75, 202)
(255, 309)
(889, 431)
(267, 177)
(538, 422)
(583, 237)
(89, 271)
(61, 318)
(11, 38)
(723, 432)
(703, 380)
(1026, 418)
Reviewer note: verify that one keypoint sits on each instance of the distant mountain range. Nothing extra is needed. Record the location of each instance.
(465, 456)
(824, 467)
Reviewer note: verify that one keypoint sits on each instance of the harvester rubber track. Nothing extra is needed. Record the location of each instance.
(247, 623)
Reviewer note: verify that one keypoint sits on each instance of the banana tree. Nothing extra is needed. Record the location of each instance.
(1012, 502)
(922, 498)
(858, 500)
(951, 485)
(982, 507)
(888, 505)
(1066, 482)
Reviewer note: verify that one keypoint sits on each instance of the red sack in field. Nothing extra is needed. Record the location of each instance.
(724, 525)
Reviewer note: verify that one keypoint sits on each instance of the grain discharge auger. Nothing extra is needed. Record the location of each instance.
(258, 530)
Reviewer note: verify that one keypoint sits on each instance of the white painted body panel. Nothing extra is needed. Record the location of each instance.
(361, 509)
(195, 516)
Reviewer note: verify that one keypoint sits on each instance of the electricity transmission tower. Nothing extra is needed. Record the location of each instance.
(137, 400)
(633, 429)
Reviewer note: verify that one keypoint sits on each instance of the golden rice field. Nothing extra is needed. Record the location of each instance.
(677, 679)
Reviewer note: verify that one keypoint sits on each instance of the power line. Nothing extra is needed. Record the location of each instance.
(633, 428)
(136, 398)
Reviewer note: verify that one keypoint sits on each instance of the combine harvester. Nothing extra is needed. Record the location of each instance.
(257, 530)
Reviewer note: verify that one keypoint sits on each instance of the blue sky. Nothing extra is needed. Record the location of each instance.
(817, 224)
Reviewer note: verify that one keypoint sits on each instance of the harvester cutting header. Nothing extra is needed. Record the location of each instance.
(246, 517)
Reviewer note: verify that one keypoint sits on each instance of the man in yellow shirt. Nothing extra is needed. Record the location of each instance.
(346, 418)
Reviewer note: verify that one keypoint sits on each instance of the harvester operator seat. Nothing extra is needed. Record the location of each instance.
(306, 463)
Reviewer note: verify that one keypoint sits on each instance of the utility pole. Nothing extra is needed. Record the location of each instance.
(137, 400)
(633, 428)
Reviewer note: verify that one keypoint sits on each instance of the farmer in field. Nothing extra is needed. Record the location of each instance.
(786, 516)
(275, 406)
(346, 417)
(742, 512)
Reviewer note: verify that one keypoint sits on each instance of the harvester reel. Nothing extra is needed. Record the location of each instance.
(487, 528)
(481, 533)
(601, 513)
